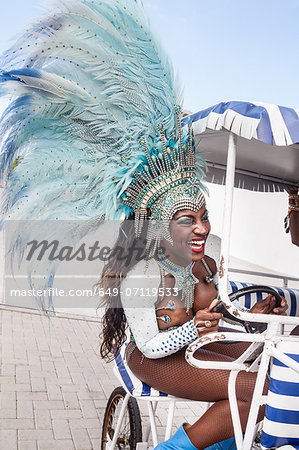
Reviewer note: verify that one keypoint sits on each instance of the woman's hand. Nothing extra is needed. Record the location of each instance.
(206, 321)
(267, 306)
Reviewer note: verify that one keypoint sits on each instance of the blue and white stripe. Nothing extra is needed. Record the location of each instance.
(248, 300)
(281, 423)
(128, 380)
(271, 124)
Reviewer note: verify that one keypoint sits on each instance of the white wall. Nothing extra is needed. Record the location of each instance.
(258, 234)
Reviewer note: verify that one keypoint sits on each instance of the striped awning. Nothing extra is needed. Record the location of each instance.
(267, 138)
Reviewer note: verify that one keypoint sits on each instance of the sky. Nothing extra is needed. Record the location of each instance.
(223, 50)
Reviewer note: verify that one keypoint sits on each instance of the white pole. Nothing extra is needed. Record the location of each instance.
(227, 216)
(233, 403)
(169, 419)
(153, 423)
(257, 396)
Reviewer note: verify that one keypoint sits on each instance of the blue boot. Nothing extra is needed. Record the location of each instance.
(228, 444)
(179, 441)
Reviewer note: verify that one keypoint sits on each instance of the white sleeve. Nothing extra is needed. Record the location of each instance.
(139, 308)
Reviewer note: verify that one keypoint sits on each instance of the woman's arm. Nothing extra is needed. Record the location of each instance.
(138, 297)
(152, 342)
(294, 227)
(141, 317)
(293, 214)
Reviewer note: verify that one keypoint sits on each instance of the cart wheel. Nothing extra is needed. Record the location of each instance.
(130, 431)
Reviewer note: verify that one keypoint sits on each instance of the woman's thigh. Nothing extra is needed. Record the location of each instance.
(173, 375)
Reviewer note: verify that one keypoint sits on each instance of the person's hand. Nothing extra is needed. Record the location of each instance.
(267, 306)
(206, 321)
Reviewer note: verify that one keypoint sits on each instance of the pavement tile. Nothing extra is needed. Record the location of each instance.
(77, 424)
(8, 439)
(47, 365)
(61, 429)
(53, 391)
(34, 359)
(7, 380)
(88, 409)
(64, 444)
(27, 445)
(27, 435)
(62, 371)
(71, 400)
(95, 433)
(8, 413)
(81, 440)
(16, 424)
(37, 372)
(100, 404)
(42, 419)
(14, 387)
(107, 389)
(71, 361)
(84, 363)
(182, 412)
(8, 399)
(96, 444)
(32, 396)
(78, 378)
(25, 409)
(66, 413)
(86, 395)
(8, 370)
(64, 381)
(48, 404)
(22, 374)
(8, 358)
(38, 385)
(71, 387)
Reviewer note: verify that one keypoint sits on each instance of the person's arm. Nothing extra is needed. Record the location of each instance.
(152, 342)
(141, 317)
(294, 216)
(294, 227)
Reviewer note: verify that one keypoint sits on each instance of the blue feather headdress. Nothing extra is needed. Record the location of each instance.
(86, 83)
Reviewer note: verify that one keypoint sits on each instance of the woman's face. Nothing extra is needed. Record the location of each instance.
(189, 231)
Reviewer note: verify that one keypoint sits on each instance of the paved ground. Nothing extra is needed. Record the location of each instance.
(54, 385)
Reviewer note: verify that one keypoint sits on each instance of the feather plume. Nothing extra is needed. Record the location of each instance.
(85, 83)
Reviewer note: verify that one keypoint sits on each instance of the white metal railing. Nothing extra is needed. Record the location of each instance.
(285, 279)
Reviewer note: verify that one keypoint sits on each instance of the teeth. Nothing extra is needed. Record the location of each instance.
(196, 242)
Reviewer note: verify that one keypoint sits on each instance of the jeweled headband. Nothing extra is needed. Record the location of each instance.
(166, 183)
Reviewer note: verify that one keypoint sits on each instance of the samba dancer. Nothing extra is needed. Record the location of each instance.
(182, 291)
(93, 133)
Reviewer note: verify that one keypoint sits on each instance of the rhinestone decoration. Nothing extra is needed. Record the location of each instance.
(165, 184)
(184, 278)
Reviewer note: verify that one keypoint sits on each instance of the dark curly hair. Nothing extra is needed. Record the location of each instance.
(127, 251)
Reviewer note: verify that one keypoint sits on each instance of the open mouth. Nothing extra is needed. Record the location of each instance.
(196, 245)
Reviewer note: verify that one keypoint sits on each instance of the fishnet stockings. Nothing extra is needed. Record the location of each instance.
(173, 375)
